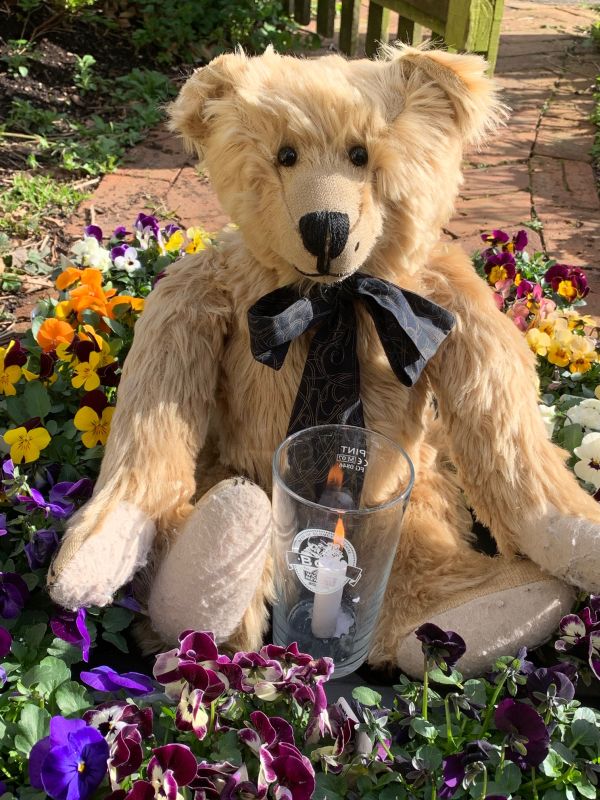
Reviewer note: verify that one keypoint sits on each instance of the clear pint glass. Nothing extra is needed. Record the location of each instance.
(339, 495)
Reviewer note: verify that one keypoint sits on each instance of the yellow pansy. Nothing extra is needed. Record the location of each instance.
(538, 341)
(63, 354)
(25, 446)
(497, 273)
(175, 241)
(559, 354)
(95, 428)
(583, 354)
(566, 289)
(197, 240)
(63, 309)
(8, 375)
(86, 374)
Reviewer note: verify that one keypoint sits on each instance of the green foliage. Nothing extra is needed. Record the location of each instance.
(84, 77)
(17, 56)
(29, 198)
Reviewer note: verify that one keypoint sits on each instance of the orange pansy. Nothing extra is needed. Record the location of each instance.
(53, 332)
(68, 277)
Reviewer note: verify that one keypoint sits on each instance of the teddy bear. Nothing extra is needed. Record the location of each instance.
(332, 169)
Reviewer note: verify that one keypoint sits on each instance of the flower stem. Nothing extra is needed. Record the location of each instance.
(534, 788)
(485, 783)
(211, 722)
(433, 789)
(491, 705)
(449, 736)
(425, 689)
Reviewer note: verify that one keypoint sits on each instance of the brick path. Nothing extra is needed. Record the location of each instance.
(537, 169)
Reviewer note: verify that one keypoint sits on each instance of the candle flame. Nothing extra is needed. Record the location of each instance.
(335, 477)
(339, 534)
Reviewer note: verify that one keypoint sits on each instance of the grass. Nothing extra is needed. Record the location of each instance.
(29, 198)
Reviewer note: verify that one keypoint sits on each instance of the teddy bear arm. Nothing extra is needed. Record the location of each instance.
(486, 385)
(147, 479)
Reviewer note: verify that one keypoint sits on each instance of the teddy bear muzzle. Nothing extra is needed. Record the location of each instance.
(324, 234)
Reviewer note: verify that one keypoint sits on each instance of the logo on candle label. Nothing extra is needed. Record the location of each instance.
(313, 544)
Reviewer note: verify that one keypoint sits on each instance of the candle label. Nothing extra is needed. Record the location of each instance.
(312, 544)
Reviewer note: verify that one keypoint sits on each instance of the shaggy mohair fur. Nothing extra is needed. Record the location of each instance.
(194, 407)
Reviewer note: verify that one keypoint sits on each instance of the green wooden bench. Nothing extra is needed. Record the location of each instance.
(472, 25)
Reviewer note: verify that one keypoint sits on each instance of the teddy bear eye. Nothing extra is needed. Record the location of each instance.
(287, 156)
(358, 156)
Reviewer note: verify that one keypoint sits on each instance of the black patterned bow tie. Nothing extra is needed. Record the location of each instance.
(411, 329)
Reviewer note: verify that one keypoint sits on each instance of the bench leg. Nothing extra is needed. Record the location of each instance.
(377, 27)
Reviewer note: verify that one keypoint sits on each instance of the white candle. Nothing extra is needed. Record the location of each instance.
(329, 587)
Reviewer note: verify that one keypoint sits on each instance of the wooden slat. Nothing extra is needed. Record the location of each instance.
(288, 7)
(302, 11)
(378, 24)
(349, 26)
(436, 23)
(325, 18)
(409, 31)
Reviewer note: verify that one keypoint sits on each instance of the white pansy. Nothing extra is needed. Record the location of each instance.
(586, 413)
(588, 467)
(549, 416)
(90, 253)
(128, 261)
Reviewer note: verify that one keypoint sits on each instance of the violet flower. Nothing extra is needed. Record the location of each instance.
(567, 281)
(16, 355)
(71, 762)
(5, 642)
(463, 765)
(70, 627)
(111, 717)
(126, 753)
(146, 225)
(106, 679)
(288, 655)
(495, 238)
(13, 594)
(36, 502)
(120, 232)
(580, 635)
(95, 231)
(171, 766)
(294, 773)
(118, 250)
(203, 686)
(41, 548)
(442, 648)
(72, 491)
(561, 676)
(527, 736)
(3, 525)
(222, 780)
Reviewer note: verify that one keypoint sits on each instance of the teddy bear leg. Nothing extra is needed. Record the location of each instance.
(496, 604)
(215, 574)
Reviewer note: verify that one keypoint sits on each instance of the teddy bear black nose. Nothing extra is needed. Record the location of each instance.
(324, 234)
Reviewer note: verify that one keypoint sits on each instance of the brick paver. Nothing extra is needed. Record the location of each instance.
(535, 170)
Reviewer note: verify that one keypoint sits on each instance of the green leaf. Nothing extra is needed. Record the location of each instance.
(453, 679)
(329, 787)
(570, 436)
(393, 791)
(584, 787)
(424, 728)
(555, 794)
(115, 638)
(474, 690)
(71, 697)
(431, 757)
(116, 619)
(16, 410)
(567, 755)
(366, 696)
(36, 399)
(67, 653)
(552, 765)
(46, 675)
(33, 725)
(228, 748)
(506, 781)
(585, 732)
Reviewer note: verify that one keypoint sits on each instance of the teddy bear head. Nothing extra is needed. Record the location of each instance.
(329, 165)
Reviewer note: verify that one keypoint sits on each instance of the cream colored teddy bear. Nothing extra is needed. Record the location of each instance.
(369, 152)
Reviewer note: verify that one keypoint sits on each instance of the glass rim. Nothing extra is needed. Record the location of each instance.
(277, 478)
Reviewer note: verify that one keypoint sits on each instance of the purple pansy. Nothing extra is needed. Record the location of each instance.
(72, 491)
(93, 230)
(126, 752)
(171, 228)
(106, 679)
(71, 762)
(495, 238)
(111, 717)
(562, 676)
(41, 548)
(202, 687)
(580, 635)
(3, 525)
(501, 239)
(118, 250)
(5, 642)
(70, 627)
(561, 273)
(120, 232)
(527, 736)
(3, 788)
(16, 355)
(36, 501)
(457, 765)
(503, 259)
(288, 655)
(13, 594)
(223, 780)
(171, 766)
(294, 774)
(443, 648)
(147, 225)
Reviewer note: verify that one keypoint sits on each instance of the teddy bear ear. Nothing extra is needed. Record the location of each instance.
(462, 77)
(190, 113)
